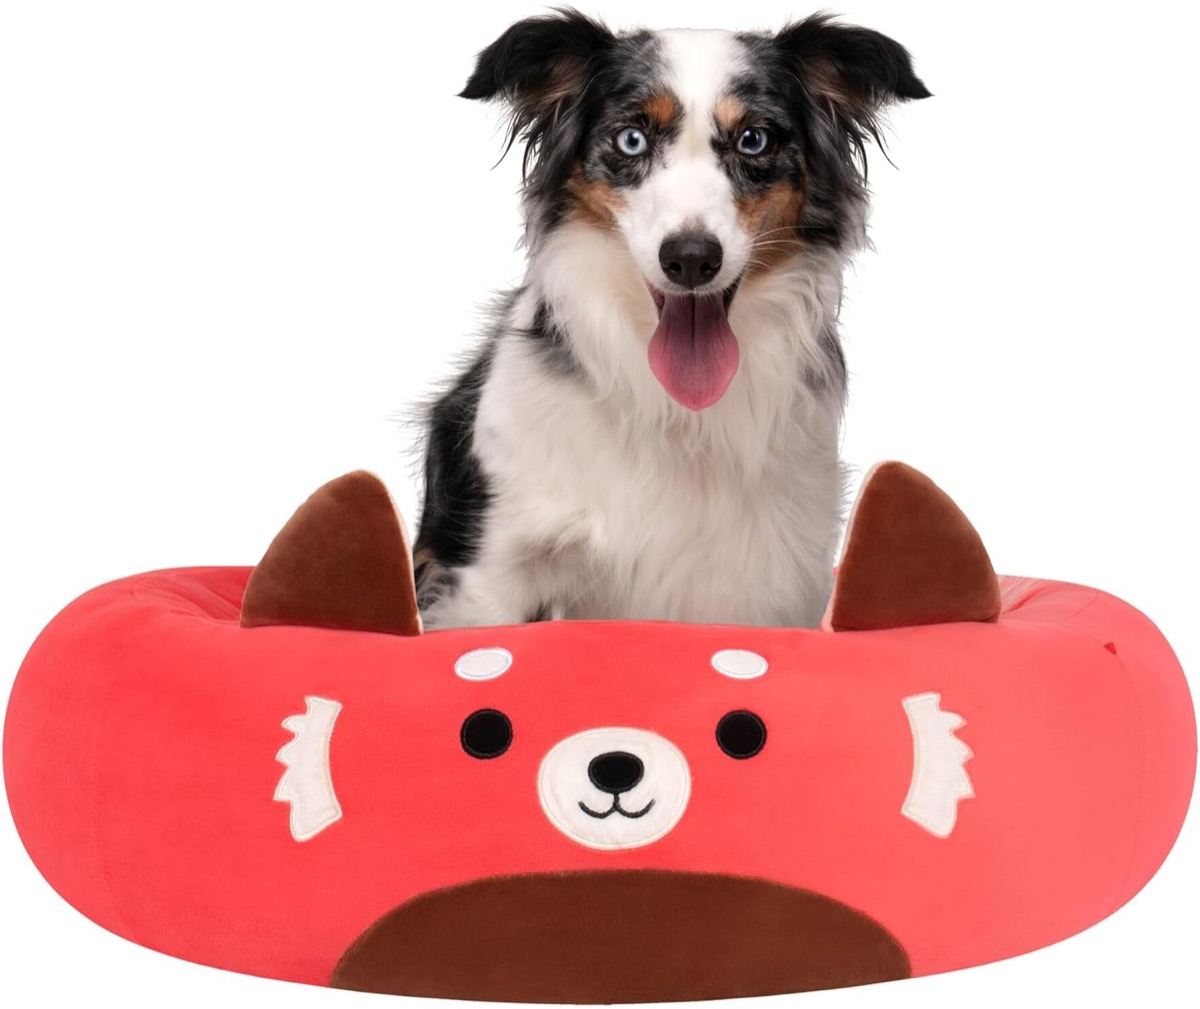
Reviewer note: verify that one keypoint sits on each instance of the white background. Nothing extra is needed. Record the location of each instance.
(236, 239)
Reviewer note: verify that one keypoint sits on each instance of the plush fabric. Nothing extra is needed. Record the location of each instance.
(598, 811)
(910, 557)
(619, 936)
(142, 732)
(342, 561)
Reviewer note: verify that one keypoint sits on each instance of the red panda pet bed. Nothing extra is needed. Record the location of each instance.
(274, 771)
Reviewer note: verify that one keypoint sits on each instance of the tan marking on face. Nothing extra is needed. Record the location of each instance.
(773, 218)
(730, 113)
(661, 109)
(595, 202)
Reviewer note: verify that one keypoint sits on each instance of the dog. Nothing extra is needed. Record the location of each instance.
(650, 430)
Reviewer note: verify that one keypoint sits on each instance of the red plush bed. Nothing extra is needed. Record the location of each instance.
(594, 812)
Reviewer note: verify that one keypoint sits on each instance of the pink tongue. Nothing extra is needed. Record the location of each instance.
(693, 352)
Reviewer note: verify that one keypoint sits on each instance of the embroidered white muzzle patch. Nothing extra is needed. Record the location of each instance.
(614, 788)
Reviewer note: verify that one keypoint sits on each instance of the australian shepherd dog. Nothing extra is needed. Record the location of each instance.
(650, 430)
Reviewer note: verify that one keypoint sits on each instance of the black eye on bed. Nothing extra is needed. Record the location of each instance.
(741, 734)
(486, 733)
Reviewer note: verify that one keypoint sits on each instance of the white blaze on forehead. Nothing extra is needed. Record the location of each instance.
(687, 187)
(739, 663)
(939, 778)
(699, 66)
(483, 663)
(307, 784)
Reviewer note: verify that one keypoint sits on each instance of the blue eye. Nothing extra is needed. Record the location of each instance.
(753, 141)
(632, 143)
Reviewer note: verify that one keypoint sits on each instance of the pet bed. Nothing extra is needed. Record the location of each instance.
(275, 772)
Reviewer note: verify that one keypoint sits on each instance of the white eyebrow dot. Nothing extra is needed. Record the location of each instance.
(739, 664)
(483, 663)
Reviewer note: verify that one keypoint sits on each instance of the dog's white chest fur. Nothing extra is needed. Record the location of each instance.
(608, 500)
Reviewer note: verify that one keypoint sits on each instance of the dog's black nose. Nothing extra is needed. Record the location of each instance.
(690, 259)
(615, 772)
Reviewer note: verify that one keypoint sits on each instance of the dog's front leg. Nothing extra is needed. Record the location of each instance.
(491, 595)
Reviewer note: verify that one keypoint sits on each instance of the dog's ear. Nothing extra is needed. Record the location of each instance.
(539, 62)
(850, 65)
(850, 73)
(539, 66)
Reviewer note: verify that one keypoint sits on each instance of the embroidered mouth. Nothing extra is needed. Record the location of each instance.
(616, 807)
(693, 352)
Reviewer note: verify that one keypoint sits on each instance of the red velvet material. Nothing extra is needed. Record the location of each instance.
(139, 757)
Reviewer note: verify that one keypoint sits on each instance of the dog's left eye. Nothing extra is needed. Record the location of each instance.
(753, 141)
(631, 142)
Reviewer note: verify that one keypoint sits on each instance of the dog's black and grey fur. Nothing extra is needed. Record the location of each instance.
(792, 216)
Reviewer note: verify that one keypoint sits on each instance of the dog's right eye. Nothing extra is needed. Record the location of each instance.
(632, 143)
(754, 141)
(486, 734)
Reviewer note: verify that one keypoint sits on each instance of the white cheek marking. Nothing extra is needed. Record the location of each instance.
(739, 664)
(939, 779)
(483, 663)
(306, 784)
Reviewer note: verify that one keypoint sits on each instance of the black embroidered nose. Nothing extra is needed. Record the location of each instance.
(615, 772)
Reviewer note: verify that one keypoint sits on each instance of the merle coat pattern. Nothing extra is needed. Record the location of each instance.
(650, 429)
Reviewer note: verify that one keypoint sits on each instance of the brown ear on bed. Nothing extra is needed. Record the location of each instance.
(342, 561)
(911, 557)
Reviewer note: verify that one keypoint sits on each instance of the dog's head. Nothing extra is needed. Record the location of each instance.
(714, 156)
